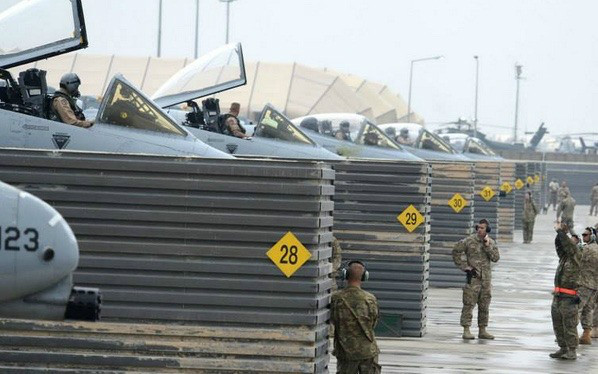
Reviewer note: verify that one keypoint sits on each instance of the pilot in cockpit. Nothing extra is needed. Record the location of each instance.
(404, 138)
(64, 106)
(343, 133)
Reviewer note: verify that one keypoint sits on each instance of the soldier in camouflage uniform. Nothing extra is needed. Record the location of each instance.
(564, 309)
(588, 283)
(529, 217)
(563, 191)
(566, 209)
(474, 255)
(354, 313)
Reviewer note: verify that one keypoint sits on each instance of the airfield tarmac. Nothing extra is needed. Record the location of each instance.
(519, 318)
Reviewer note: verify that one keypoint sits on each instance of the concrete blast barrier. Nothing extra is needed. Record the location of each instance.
(184, 241)
(448, 226)
(369, 195)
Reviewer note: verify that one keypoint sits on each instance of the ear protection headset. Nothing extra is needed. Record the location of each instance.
(345, 272)
(592, 234)
(488, 228)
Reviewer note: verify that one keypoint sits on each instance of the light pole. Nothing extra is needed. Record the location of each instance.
(411, 81)
(518, 71)
(475, 115)
(159, 28)
(196, 28)
(227, 16)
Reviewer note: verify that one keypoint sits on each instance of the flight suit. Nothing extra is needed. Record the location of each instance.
(565, 210)
(354, 313)
(588, 283)
(471, 252)
(234, 127)
(65, 109)
(529, 217)
(594, 201)
(564, 309)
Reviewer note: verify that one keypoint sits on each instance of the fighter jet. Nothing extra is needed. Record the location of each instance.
(352, 136)
(38, 254)
(421, 142)
(220, 70)
(471, 147)
(127, 121)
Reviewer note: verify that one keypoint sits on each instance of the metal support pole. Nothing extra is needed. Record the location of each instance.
(518, 70)
(475, 115)
(409, 100)
(196, 29)
(159, 28)
(411, 82)
(227, 19)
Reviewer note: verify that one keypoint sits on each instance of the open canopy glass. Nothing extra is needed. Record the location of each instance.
(219, 70)
(31, 30)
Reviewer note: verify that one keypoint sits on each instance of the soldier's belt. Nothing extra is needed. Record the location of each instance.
(565, 291)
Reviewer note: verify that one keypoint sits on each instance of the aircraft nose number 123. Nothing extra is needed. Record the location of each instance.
(14, 239)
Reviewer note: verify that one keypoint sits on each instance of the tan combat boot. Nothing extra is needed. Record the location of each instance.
(559, 353)
(483, 334)
(467, 335)
(595, 332)
(585, 338)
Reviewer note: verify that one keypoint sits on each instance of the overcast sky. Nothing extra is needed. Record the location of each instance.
(556, 41)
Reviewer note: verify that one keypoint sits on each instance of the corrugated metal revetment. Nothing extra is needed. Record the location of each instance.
(83, 347)
(487, 174)
(184, 239)
(448, 226)
(369, 195)
(506, 204)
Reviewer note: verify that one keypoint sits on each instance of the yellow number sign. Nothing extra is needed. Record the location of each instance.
(530, 180)
(519, 184)
(506, 187)
(288, 254)
(487, 193)
(411, 218)
(457, 202)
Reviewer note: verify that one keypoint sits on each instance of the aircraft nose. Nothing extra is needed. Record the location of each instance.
(64, 249)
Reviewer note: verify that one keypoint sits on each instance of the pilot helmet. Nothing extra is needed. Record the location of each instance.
(70, 82)
(344, 125)
(390, 131)
(310, 123)
(404, 131)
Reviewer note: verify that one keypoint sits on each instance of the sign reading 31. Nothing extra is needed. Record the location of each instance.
(288, 254)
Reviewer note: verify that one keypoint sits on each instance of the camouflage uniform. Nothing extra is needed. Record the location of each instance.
(554, 189)
(529, 217)
(234, 127)
(564, 309)
(565, 210)
(471, 252)
(594, 201)
(588, 283)
(563, 192)
(354, 313)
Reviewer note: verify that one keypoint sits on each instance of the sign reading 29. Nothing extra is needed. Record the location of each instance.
(10, 239)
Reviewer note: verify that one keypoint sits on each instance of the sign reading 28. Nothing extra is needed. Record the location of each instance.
(10, 239)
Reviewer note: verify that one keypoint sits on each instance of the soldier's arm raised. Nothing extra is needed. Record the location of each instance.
(491, 250)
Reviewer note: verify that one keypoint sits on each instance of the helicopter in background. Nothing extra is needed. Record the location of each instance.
(38, 254)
